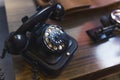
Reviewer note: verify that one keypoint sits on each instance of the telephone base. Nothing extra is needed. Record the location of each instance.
(52, 70)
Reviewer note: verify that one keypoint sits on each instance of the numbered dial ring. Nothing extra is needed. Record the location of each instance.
(54, 38)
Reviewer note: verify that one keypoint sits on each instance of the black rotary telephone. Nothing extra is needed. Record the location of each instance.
(46, 46)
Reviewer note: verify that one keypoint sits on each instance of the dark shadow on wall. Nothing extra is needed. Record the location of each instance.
(6, 64)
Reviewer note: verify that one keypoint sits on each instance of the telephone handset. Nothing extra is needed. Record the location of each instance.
(45, 46)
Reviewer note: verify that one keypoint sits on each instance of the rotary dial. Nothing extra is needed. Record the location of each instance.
(54, 38)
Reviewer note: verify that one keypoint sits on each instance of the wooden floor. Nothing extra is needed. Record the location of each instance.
(115, 77)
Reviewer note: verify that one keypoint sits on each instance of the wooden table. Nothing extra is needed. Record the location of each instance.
(91, 61)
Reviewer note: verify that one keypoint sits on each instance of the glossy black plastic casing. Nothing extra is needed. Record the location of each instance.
(50, 62)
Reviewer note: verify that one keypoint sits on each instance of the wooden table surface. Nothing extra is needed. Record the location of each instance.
(91, 61)
(81, 5)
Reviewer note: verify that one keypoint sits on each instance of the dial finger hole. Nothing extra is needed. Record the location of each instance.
(50, 45)
(55, 48)
(46, 34)
(60, 47)
(47, 40)
(63, 45)
(49, 30)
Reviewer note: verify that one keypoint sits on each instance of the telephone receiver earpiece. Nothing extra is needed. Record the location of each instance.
(58, 13)
(16, 44)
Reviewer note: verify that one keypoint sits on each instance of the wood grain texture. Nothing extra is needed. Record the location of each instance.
(91, 61)
(73, 6)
